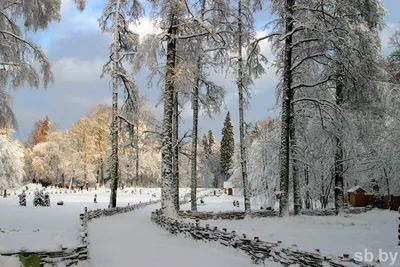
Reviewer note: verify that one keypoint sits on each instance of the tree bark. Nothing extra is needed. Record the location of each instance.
(102, 170)
(193, 175)
(85, 170)
(114, 124)
(137, 152)
(167, 203)
(175, 135)
(338, 161)
(388, 188)
(306, 174)
(293, 147)
(286, 111)
(195, 107)
(243, 155)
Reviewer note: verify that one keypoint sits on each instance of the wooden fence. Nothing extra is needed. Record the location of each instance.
(259, 251)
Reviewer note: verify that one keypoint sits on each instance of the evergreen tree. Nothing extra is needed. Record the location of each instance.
(205, 144)
(211, 140)
(227, 146)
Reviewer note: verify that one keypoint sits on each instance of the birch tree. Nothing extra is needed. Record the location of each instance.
(115, 19)
(177, 20)
(247, 67)
(328, 35)
(209, 52)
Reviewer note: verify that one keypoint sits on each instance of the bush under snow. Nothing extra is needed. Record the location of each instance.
(11, 166)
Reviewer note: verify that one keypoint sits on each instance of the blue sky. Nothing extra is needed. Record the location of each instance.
(78, 49)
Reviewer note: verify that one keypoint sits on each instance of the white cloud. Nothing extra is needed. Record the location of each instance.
(90, 101)
(265, 47)
(187, 112)
(66, 6)
(146, 26)
(74, 70)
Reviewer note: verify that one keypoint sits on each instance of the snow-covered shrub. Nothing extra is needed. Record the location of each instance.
(41, 199)
(11, 166)
(22, 198)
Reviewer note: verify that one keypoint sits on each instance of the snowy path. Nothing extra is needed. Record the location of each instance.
(131, 239)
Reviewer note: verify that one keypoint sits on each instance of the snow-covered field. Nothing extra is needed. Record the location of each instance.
(220, 203)
(36, 228)
(368, 232)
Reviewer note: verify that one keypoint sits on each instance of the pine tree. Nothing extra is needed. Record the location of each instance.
(227, 146)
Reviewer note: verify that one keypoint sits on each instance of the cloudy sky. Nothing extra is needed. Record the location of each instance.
(78, 49)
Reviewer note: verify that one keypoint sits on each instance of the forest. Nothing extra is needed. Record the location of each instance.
(338, 97)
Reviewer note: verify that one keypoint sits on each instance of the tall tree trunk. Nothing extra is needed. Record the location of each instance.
(114, 124)
(243, 155)
(286, 112)
(137, 152)
(293, 147)
(175, 136)
(338, 161)
(167, 203)
(85, 161)
(388, 188)
(195, 107)
(195, 126)
(306, 175)
(102, 170)
(322, 198)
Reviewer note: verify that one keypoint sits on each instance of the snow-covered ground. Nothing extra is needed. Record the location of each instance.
(37, 228)
(368, 232)
(131, 239)
(122, 239)
(218, 203)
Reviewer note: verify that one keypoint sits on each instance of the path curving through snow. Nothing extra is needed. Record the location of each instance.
(131, 239)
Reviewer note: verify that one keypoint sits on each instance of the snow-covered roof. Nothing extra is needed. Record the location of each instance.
(355, 188)
(228, 185)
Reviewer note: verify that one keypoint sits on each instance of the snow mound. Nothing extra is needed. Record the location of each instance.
(9, 261)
